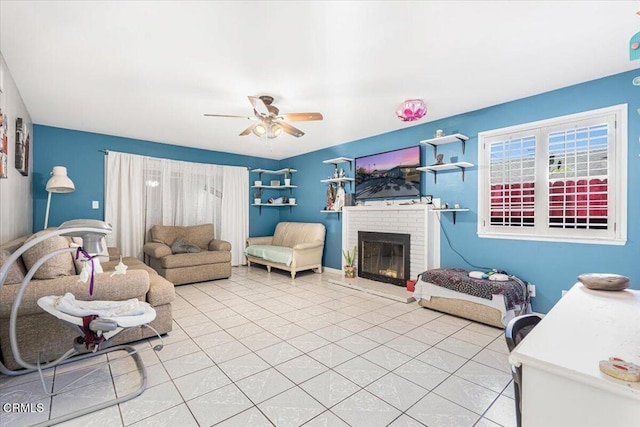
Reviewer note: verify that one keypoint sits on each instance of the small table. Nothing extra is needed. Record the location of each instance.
(561, 382)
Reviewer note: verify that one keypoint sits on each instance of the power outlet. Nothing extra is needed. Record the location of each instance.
(95, 204)
(532, 290)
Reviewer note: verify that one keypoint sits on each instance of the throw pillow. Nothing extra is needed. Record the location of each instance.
(183, 246)
(102, 256)
(59, 265)
(16, 272)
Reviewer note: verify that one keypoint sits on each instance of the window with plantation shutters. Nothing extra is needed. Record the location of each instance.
(562, 179)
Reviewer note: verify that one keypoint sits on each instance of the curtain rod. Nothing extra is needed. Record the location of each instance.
(106, 153)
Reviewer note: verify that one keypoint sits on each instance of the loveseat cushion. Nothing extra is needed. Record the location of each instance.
(290, 233)
(199, 235)
(279, 254)
(59, 265)
(192, 260)
(16, 272)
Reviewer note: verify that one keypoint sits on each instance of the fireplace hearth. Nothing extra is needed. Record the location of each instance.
(384, 257)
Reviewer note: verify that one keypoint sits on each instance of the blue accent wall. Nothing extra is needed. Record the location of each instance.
(80, 153)
(552, 267)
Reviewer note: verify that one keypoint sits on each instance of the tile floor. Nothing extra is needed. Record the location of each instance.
(260, 349)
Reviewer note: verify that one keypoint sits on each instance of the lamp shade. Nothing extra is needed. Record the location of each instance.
(59, 181)
(411, 110)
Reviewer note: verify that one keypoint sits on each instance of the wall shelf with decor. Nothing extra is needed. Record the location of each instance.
(462, 166)
(273, 185)
(339, 176)
(454, 210)
(446, 139)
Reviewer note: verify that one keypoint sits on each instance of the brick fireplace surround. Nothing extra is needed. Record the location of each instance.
(415, 220)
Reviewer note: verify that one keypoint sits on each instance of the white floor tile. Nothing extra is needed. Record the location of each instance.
(176, 416)
(226, 351)
(82, 397)
(434, 410)
(361, 371)
(357, 344)
(407, 345)
(292, 408)
(301, 368)
(201, 382)
(494, 359)
(421, 373)
(108, 417)
(264, 385)
(363, 408)
(331, 355)
(379, 334)
(459, 347)
(442, 359)
(484, 376)
(329, 388)
(326, 419)
(466, 394)
(405, 421)
(308, 342)
(184, 365)
(503, 412)
(278, 353)
(152, 401)
(249, 418)
(218, 405)
(243, 366)
(397, 391)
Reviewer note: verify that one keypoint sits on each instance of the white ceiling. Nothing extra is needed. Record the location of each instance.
(150, 70)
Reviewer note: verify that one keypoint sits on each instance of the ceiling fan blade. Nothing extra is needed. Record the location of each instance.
(229, 115)
(291, 130)
(247, 131)
(259, 106)
(301, 117)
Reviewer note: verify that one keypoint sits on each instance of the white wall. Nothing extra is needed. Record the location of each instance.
(16, 199)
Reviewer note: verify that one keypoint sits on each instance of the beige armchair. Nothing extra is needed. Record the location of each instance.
(212, 261)
(294, 246)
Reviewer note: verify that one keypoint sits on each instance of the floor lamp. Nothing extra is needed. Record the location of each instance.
(58, 183)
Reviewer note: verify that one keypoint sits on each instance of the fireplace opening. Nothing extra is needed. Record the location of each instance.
(384, 257)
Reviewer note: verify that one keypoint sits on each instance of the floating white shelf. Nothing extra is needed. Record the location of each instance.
(337, 180)
(447, 139)
(274, 187)
(273, 204)
(338, 160)
(446, 166)
(326, 211)
(274, 172)
(454, 210)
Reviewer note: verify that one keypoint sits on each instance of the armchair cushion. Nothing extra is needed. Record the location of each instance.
(157, 250)
(59, 265)
(200, 235)
(183, 246)
(192, 260)
(219, 245)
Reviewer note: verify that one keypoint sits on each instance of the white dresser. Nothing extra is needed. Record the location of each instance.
(562, 384)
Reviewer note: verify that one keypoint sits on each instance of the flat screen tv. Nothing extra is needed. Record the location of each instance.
(388, 175)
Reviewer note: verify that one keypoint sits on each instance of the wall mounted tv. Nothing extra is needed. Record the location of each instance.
(389, 175)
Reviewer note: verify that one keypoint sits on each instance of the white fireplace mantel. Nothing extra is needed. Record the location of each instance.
(414, 220)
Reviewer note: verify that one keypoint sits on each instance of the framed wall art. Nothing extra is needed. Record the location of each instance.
(4, 146)
(22, 147)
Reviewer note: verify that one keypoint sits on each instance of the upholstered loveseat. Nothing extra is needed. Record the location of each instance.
(294, 246)
(38, 331)
(212, 261)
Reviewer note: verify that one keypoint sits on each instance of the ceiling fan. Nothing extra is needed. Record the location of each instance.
(270, 122)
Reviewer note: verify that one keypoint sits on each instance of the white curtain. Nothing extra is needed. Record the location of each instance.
(178, 193)
(124, 202)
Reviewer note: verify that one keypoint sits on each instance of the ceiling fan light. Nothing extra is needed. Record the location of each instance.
(411, 110)
(274, 131)
(259, 129)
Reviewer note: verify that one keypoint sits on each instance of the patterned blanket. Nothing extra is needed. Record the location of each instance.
(457, 279)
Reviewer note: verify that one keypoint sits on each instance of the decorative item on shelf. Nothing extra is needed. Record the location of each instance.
(341, 173)
(439, 158)
(426, 199)
(604, 281)
(275, 182)
(331, 197)
(292, 200)
(257, 183)
(339, 198)
(349, 261)
(287, 180)
(411, 110)
(335, 174)
(439, 133)
(257, 197)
